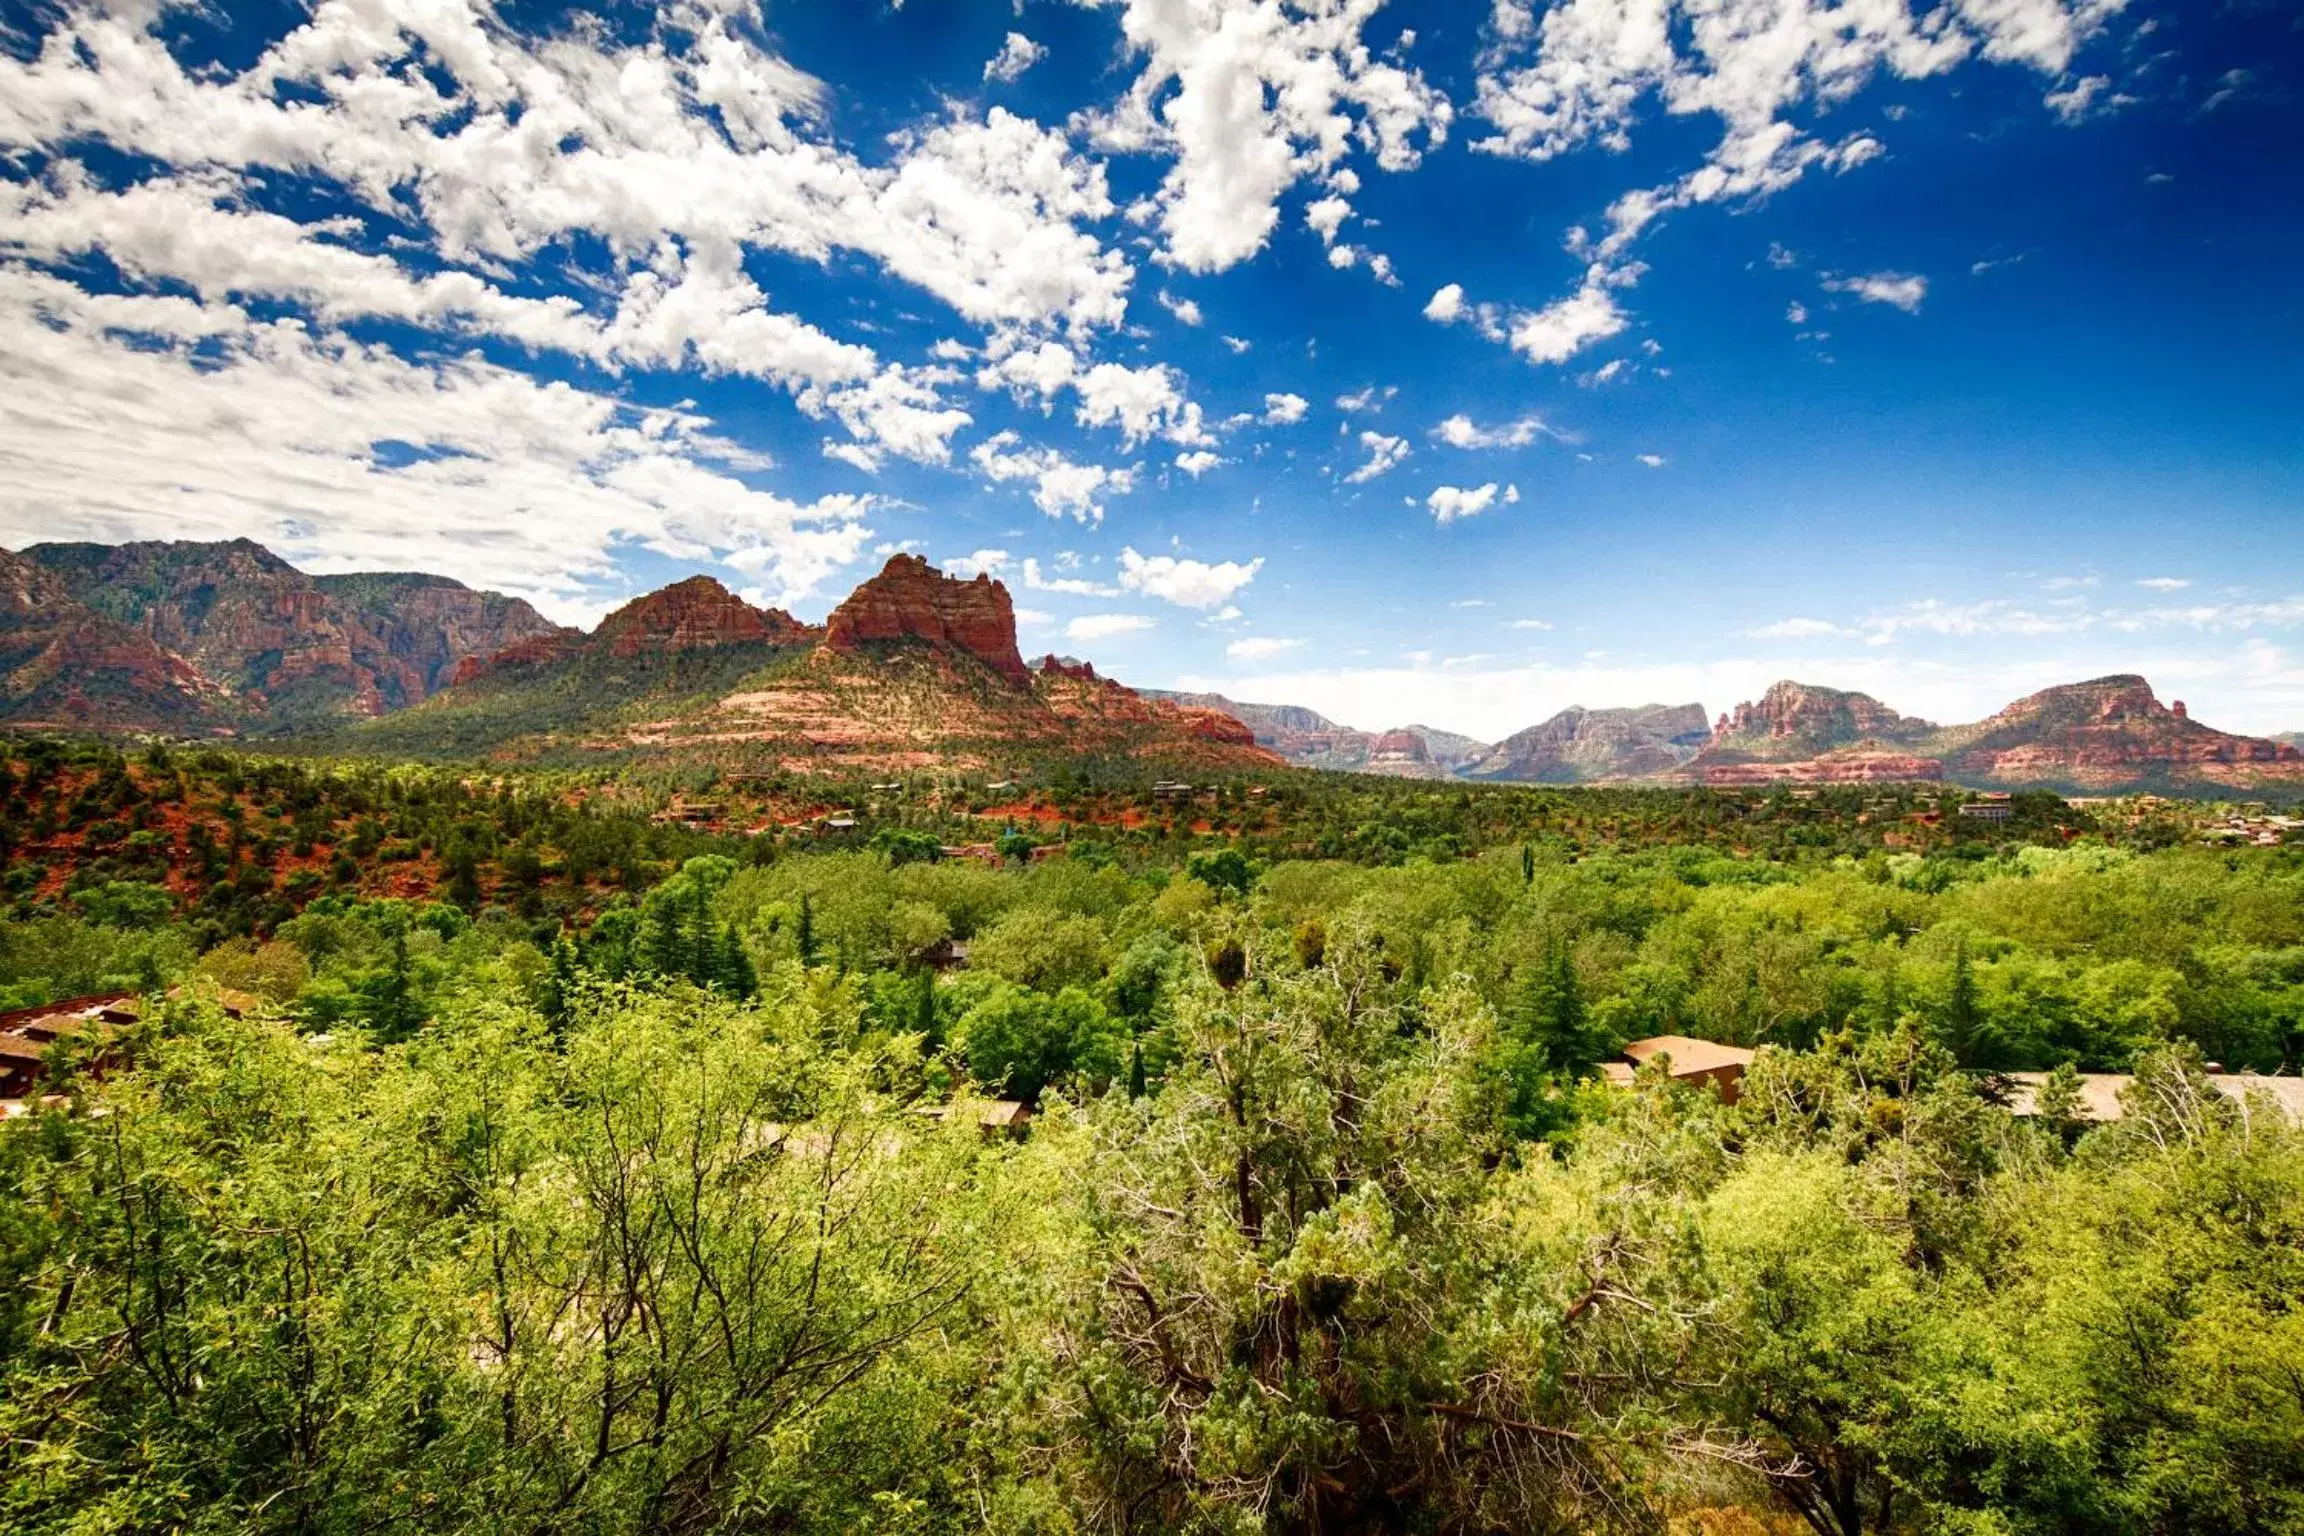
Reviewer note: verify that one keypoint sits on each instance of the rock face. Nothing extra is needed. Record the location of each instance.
(1312, 740)
(288, 646)
(912, 600)
(62, 663)
(698, 614)
(1589, 745)
(2107, 730)
(1798, 720)
(1848, 767)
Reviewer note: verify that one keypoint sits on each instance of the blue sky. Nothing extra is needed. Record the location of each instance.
(1450, 361)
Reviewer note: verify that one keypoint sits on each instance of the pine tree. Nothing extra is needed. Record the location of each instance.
(805, 936)
(1527, 865)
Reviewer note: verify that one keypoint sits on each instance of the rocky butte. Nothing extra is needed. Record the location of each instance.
(912, 600)
(698, 614)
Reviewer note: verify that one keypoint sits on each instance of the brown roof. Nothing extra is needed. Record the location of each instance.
(2100, 1092)
(20, 1048)
(1690, 1057)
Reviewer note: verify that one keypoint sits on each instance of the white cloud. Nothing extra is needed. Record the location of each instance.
(1796, 313)
(147, 417)
(1061, 487)
(1186, 583)
(2078, 101)
(1186, 311)
(1652, 460)
(1567, 326)
(1384, 454)
(1237, 345)
(1579, 74)
(1446, 306)
(1900, 289)
(1285, 410)
(1370, 399)
(1104, 626)
(1198, 462)
(1459, 432)
(1260, 647)
(1017, 54)
(1070, 586)
(1799, 629)
(1447, 503)
(989, 562)
(1528, 624)
(1248, 96)
(2164, 583)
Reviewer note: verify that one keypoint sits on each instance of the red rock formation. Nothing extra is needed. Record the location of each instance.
(61, 663)
(1835, 768)
(912, 600)
(1400, 744)
(1797, 717)
(698, 614)
(292, 644)
(1215, 725)
(1059, 666)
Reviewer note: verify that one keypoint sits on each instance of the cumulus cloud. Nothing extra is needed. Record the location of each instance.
(1017, 54)
(1459, 431)
(1447, 503)
(1284, 410)
(1060, 486)
(1186, 583)
(1798, 629)
(1104, 626)
(1037, 580)
(1446, 306)
(985, 562)
(1249, 96)
(1579, 73)
(1384, 454)
(1902, 290)
(164, 417)
(1198, 462)
(1260, 647)
(1186, 311)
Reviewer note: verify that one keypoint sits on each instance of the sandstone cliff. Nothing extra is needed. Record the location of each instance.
(63, 664)
(1799, 720)
(2107, 732)
(912, 600)
(1591, 745)
(291, 648)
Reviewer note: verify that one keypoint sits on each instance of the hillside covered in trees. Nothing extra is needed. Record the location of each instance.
(567, 1154)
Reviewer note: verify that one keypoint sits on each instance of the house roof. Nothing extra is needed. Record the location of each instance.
(1690, 1057)
(2100, 1092)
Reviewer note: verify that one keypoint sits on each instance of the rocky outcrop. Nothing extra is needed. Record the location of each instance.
(698, 614)
(1851, 767)
(1312, 740)
(912, 600)
(291, 647)
(64, 664)
(1799, 720)
(1581, 745)
(2106, 731)
(1065, 666)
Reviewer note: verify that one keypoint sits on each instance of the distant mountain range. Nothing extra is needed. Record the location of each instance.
(913, 669)
(2108, 734)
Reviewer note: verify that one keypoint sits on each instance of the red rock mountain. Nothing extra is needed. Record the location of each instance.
(63, 664)
(698, 614)
(2108, 730)
(289, 648)
(912, 600)
(1800, 720)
